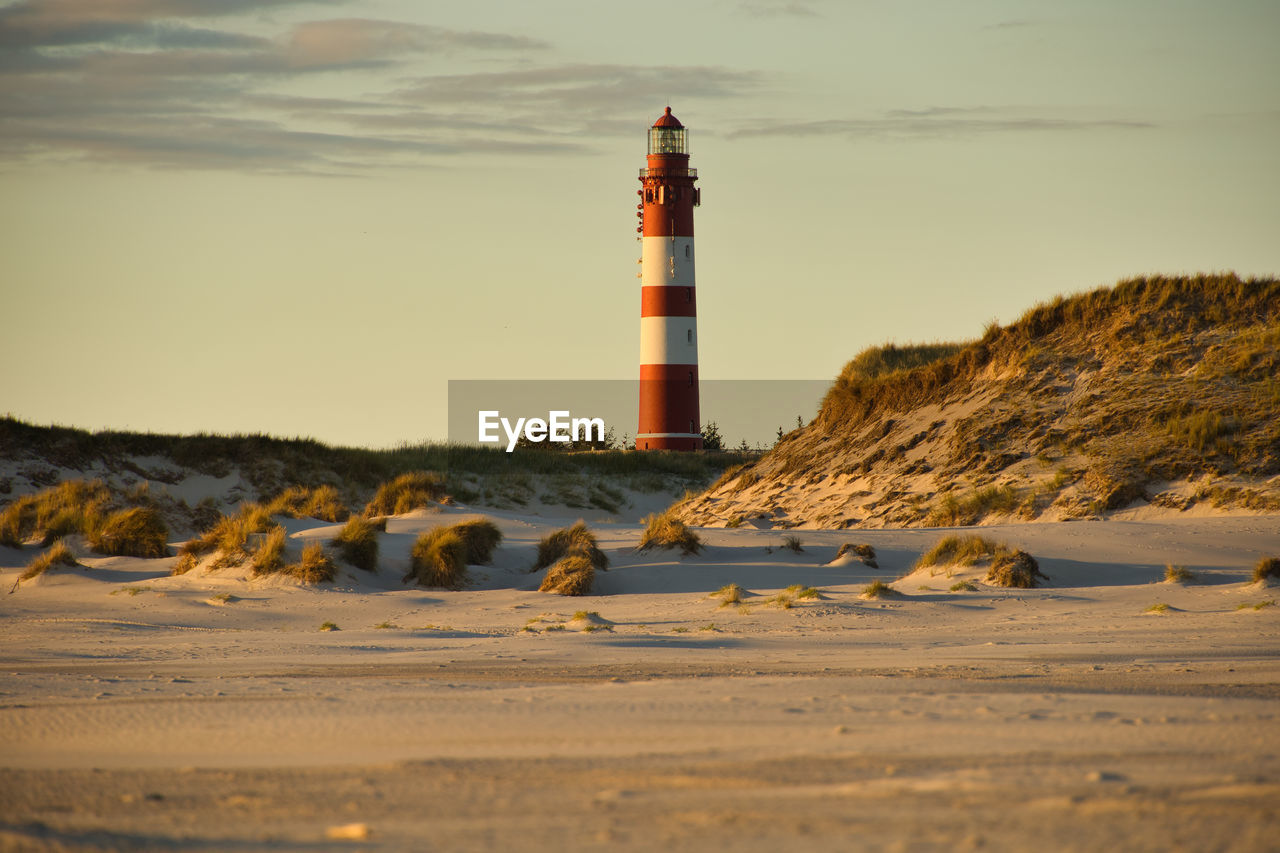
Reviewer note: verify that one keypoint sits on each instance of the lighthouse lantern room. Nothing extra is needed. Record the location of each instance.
(669, 418)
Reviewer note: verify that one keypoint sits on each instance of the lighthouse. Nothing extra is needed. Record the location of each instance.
(668, 297)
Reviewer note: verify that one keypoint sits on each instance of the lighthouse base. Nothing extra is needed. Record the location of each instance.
(668, 441)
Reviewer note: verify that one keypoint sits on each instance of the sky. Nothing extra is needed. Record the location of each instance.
(305, 218)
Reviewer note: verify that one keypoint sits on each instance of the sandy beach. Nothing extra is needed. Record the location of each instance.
(210, 711)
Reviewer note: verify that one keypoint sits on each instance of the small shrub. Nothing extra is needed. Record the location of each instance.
(572, 574)
(1178, 574)
(58, 555)
(1157, 608)
(879, 589)
(322, 502)
(480, 536)
(1267, 568)
(268, 557)
(863, 551)
(438, 558)
(963, 586)
(405, 493)
(329, 626)
(314, 567)
(357, 543)
(792, 543)
(1016, 569)
(137, 532)
(557, 544)
(666, 531)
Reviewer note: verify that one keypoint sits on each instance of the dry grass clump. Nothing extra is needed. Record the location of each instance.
(878, 361)
(879, 589)
(956, 550)
(480, 536)
(322, 502)
(58, 555)
(314, 567)
(792, 543)
(137, 532)
(73, 506)
(728, 594)
(1267, 568)
(863, 551)
(963, 586)
(1178, 574)
(406, 493)
(230, 536)
(357, 543)
(566, 540)
(951, 511)
(1016, 569)
(268, 557)
(572, 574)
(438, 558)
(664, 530)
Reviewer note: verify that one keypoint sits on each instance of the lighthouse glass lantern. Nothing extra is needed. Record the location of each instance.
(669, 417)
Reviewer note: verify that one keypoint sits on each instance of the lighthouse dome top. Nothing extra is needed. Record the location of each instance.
(668, 137)
(668, 120)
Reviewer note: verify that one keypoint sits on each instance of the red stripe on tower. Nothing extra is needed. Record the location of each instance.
(668, 317)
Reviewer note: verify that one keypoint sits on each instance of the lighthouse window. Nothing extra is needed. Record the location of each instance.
(689, 333)
(688, 294)
(690, 378)
(692, 426)
(688, 251)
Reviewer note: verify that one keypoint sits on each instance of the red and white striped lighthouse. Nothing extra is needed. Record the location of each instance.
(668, 299)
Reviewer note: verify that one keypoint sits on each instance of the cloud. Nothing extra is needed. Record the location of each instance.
(136, 82)
(357, 40)
(937, 122)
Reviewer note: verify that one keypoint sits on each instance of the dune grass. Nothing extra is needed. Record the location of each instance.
(72, 506)
(58, 555)
(357, 543)
(960, 550)
(1268, 568)
(322, 502)
(268, 556)
(729, 594)
(863, 551)
(572, 574)
(136, 532)
(952, 511)
(407, 492)
(480, 537)
(1178, 574)
(558, 543)
(1015, 569)
(963, 586)
(879, 589)
(792, 543)
(438, 558)
(315, 566)
(664, 530)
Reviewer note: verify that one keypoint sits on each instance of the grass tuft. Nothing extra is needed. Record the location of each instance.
(863, 551)
(557, 544)
(357, 543)
(1178, 574)
(963, 586)
(268, 557)
(58, 555)
(664, 530)
(438, 558)
(322, 502)
(314, 567)
(136, 532)
(572, 574)
(409, 491)
(956, 550)
(792, 543)
(1267, 568)
(728, 594)
(879, 589)
(480, 536)
(1016, 569)
(1157, 608)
